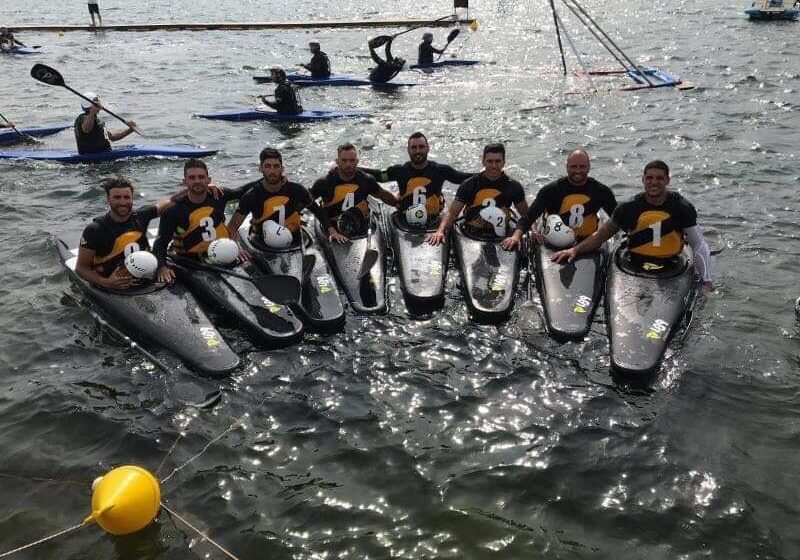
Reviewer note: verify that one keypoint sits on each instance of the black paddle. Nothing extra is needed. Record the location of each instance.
(370, 258)
(22, 135)
(309, 261)
(52, 77)
(280, 288)
(452, 35)
(381, 40)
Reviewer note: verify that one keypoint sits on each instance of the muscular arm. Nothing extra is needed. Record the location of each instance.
(453, 211)
(84, 267)
(235, 223)
(89, 119)
(166, 229)
(701, 254)
(385, 196)
(454, 176)
(530, 216)
(120, 134)
(603, 233)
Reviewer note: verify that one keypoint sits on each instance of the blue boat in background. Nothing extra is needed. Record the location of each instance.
(772, 10)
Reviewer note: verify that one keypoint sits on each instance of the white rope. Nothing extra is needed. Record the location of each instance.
(40, 541)
(199, 532)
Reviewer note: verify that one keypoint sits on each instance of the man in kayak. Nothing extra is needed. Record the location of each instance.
(8, 41)
(576, 198)
(274, 197)
(420, 180)
(91, 135)
(386, 68)
(344, 192)
(193, 219)
(320, 65)
(286, 98)
(657, 223)
(110, 238)
(426, 49)
(486, 199)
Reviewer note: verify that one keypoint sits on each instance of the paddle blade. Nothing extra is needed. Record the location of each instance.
(280, 288)
(309, 261)
(370, 258)
(379, 41)
(453, 34)
(47, 75)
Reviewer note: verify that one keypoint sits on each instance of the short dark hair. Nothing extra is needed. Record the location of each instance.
(418, 135)
(116, 183)
(494, 148)
(344, 147)
(269, 153)
(657, 164)
(192, 163)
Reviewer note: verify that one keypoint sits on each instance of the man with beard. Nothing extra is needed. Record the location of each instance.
(275, 198)
(286, 98)
(576, 198)
(420, 180)
(193, 219)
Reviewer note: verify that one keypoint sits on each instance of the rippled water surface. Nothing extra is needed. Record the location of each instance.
(431, 438)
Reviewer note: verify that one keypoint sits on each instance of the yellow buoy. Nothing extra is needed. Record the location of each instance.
(125, 500)
(474, 25)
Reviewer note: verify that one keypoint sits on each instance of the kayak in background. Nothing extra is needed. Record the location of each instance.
(364, 285)
(653, 77)
(421, 267)
(320, 305)
(569, 292)
(488, 274)
(133, 151)
(22, 50)
(141, 313)
(256, 114)
(334, 80)
(444, 63)
(10, 136)
(644, 305)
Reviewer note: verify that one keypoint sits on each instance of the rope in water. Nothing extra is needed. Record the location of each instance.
(45, 539)
(199, 532)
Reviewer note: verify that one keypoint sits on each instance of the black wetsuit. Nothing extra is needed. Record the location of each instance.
(93, 142)
(283, 206)
(478, 192)
(425, 52)
(420, 186)
(192, 226)
(320, 65)
(112, 241)
(577, 205)
(339, 195)
(655, 231)
(385, 69)
(286, 98)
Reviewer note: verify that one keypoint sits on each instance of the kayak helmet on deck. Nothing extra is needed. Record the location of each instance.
(352, 223)
(558, 234)
(141, 264)
(496, 218)
(417, 215)
(85, 105)
(223, 251)
(275, 235)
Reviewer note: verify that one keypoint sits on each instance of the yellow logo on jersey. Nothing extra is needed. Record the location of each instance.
(664, 244)
(574, 205)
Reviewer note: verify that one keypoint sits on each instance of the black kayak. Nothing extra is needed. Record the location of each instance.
(320, 305)
(272, 323)
(644, 306)
(364, 287)
(160, 314)
(488, 274)
(569, 292)
(421, 267)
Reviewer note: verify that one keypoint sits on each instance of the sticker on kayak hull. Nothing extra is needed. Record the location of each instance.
(325, 284)
(210, 336)
(582, 305)
(657, 330)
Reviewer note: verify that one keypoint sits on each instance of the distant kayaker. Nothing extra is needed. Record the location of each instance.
(286, 98)
(387, 68)
(657, 223)
(486, 199)
(8, 41)
(426, 49)
(8, 124)
(344, 192)
(320, 65)
(274, 201)
(420, 180)
(194, 218)
(91, 135)
(576, 198)
(109, 239)
(94, 10)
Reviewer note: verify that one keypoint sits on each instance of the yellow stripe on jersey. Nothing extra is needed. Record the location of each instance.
(664, 244)
(120, 244)
(573, 206)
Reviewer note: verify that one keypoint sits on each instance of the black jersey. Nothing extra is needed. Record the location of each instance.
(112, 241)
(320, 65)
(286, 99)
(478, 192)
(655, 231)
(425, 52)
(282, 206)
(192, 226)
(576, 204)
(421, 186)
(339, 195)
(93, 142)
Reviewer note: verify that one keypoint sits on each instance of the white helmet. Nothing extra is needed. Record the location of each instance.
(275, 235)
(558, 234)
(496, 218)
(417, 215)
(223, 251)
(85, 105)
(141, 264)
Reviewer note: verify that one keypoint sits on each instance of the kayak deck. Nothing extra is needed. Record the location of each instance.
(445, 63)
(10, 136)
(133, 151)
(334, 80)
(256, 114)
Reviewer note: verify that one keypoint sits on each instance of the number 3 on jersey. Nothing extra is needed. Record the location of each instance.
(208, 233)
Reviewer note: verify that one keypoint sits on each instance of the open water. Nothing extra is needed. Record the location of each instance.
(434, 438)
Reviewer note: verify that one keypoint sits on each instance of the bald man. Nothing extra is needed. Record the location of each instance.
(576, 198)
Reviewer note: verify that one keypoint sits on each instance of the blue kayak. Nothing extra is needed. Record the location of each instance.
(9, 136)
(133, 151)
(306, 80)
(656, 77)
(256, 114)
(446, 62)
(22, 50)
